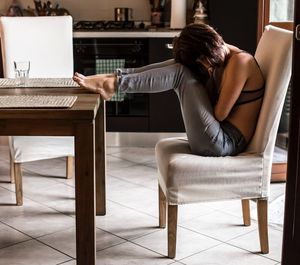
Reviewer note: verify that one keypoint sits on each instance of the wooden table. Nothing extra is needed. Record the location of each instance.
(86, 122)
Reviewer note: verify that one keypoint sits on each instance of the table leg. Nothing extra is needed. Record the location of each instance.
(100, 144)
(85, 193)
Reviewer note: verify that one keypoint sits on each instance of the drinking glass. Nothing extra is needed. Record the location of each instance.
(21, 72)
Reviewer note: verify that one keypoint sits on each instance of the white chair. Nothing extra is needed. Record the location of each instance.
(187, 178)
(47, 43)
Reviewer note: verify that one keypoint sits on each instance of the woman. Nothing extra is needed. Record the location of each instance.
(219, 86)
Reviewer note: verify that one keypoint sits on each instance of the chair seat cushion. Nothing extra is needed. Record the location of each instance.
(32, 148)
(187, 178)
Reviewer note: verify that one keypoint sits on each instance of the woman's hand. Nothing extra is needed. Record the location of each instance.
(104, 84)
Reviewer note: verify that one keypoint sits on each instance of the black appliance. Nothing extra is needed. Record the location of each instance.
(103, 55)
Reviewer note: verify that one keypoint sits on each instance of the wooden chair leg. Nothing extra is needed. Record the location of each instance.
(18, 183)
(172, 230)
(12, 170)
(262, 216)
(162, 208)
(70, 167)
(246, 212)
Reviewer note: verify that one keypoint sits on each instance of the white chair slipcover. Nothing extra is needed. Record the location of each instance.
(46, 42)
(187, 178)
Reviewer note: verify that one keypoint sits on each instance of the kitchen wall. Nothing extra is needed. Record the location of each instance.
(3, 6)
(94, 9)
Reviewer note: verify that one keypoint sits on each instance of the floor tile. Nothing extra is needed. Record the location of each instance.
(4, 148)
(188, 212)
(276, 189)
(125, 222)
(7, 198)
(9, 209)
(59, 196)
(10, 236)
(129, 254)
(132, 195)
(188, 242)
(152, 164)
(275, 213)
(40, 224)
(219, 225)
(32, 183)
(31, 252)
(65, 241)
(137, 174)
(136, 154)
(48, 172)
(113, 162)
(4, 171)
(250, 242)
(45, 168)
(225, 254)
(71, 262)
(232, 207)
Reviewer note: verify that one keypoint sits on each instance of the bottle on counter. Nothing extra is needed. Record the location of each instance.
(200, 9)
(157, 12)
(157, 18)
(14, 9)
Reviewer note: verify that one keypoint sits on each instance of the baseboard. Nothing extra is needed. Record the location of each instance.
(133, 139)
(279, 171)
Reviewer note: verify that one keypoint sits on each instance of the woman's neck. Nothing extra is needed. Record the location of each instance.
(231, 50)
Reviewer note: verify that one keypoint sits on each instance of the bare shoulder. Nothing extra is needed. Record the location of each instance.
(239, 63)
(240, 59)
(244, 65)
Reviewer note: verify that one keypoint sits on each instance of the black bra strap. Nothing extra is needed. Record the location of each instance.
(250, 96)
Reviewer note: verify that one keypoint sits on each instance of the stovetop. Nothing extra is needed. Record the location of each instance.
(100, 25)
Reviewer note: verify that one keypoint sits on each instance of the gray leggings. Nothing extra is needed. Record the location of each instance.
(206, 135)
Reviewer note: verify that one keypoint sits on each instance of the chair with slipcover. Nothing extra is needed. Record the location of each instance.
(46, 42)
(187, 178)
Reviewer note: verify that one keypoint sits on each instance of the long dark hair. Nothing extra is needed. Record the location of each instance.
(199, 40)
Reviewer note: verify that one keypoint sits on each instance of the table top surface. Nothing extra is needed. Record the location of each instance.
(85, 106)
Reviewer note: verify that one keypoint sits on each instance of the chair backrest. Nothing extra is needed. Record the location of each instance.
(46, 42)
(274, 56)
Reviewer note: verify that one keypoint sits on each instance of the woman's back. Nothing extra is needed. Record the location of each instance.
(246, 107)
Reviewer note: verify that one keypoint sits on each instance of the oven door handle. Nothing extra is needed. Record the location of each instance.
(169, 46)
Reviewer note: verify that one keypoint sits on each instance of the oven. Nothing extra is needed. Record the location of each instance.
(104, 55)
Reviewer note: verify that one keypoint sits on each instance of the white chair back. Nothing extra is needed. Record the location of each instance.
(274, 56)
(45, 41)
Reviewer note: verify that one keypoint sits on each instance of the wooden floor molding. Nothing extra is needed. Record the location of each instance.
(279, 172)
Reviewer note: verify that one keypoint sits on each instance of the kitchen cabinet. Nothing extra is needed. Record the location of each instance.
(236, 21)
(165, 114)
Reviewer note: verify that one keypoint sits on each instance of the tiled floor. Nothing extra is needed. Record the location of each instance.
(42, 231)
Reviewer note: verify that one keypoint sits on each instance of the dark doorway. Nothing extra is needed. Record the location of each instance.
(291, 231)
